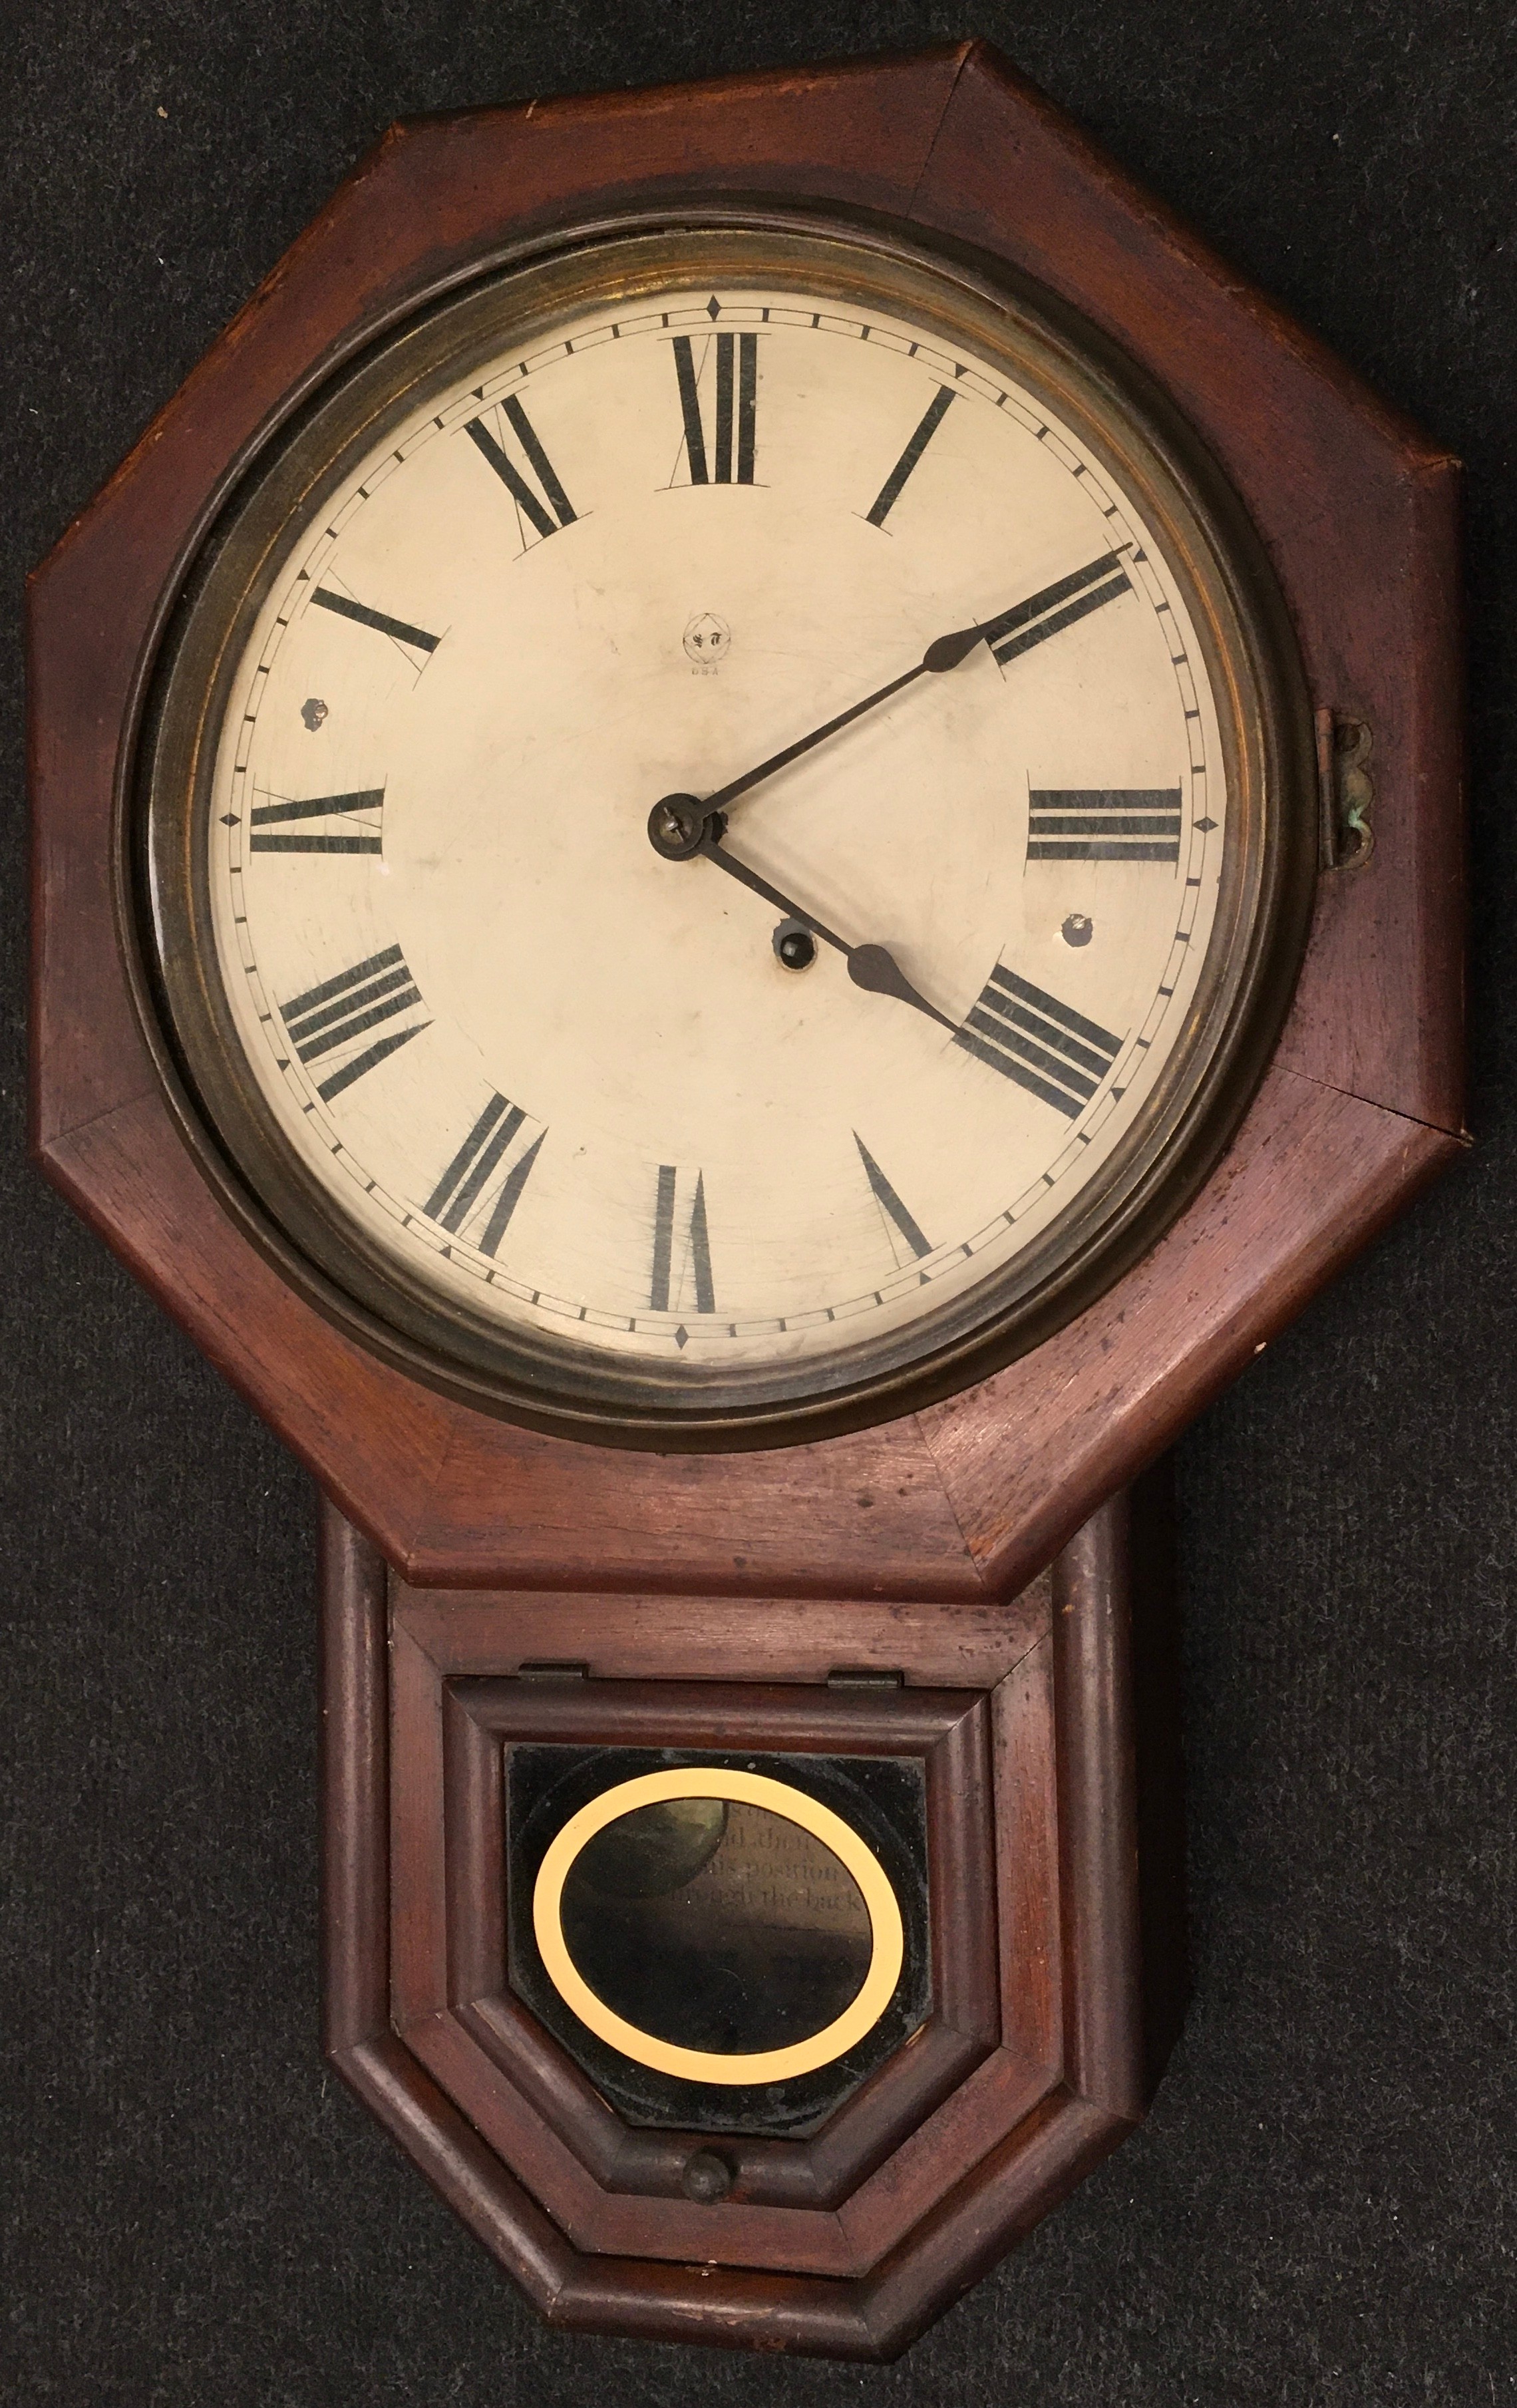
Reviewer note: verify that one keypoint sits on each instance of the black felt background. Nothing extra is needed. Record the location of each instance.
(192, 2210)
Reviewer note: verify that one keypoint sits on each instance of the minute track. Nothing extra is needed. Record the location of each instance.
(432, 823)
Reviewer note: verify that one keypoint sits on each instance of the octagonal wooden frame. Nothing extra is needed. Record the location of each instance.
(1361, 1103)
(919, 1536)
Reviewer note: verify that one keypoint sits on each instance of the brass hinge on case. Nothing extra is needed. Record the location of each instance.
(1346, 789)
(552, 1671)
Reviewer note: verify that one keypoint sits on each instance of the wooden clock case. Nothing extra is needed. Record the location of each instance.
(950, 1587)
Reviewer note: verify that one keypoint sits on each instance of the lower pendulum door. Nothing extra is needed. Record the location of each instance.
(765, 2009)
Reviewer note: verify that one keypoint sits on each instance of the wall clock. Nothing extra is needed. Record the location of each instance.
(746, 845)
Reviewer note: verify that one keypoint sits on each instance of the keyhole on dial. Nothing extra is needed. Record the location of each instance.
(794, 944)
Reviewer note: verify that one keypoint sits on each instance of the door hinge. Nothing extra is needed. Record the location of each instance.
(1346, 791)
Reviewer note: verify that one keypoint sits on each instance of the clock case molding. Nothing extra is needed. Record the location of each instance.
(921, 1546)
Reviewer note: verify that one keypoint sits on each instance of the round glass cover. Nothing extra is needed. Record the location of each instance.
(718, 832)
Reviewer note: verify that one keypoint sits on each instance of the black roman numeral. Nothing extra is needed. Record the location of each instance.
(1104, 823)
(890, 491)
(1057, 607)
(1035, 1039)
(673, 1261)
(730, 458)
(489, 439)
(342, 808)
(463, 1196)
(336, 1014)
(400, 631)
(897, 1220)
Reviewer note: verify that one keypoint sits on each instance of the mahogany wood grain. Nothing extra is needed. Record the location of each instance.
(1027, 1822)
(835, 2172)
(1007, 2087)
(525, 2243)
(939, 1506)
(474, 1824)
(962, 1901)
(354, 1775)
(1313, 1175)
(714, 1638)
(1036, 2167)
(356, 1907)
(1103, 2018)
(963, 2026)
(599, 2220)
(417, 1860)
(1001, 2097)
(670, 1712)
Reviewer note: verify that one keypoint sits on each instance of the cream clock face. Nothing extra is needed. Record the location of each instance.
(601, 997)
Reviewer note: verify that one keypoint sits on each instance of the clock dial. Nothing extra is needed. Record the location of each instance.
(723, 829)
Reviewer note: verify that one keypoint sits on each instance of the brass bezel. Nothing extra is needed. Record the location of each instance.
(1251, 960)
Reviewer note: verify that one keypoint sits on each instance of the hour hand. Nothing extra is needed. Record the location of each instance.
(870, 966)
(682, 828)
(879, 972)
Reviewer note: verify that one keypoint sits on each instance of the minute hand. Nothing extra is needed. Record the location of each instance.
(1014, 631)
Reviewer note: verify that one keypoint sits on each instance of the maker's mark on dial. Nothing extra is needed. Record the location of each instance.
(707, 640)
